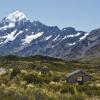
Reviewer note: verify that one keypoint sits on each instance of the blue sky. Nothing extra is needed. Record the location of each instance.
(81, 14)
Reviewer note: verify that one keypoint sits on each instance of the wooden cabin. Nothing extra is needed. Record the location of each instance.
(78, 76)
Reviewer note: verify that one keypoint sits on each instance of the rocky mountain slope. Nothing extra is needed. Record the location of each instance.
(20, 36)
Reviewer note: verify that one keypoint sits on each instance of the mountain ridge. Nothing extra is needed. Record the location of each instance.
(20, 36)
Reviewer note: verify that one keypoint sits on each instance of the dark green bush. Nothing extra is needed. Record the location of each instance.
(15, 71)
(68, 89)
(30, 78)
(56, 79)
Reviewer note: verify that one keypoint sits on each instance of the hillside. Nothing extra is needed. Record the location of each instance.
(53, 63)
(24, 79)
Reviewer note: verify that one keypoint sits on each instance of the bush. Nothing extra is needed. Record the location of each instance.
(56, 79)
(14, 72)
(30, 78)
(68, 89)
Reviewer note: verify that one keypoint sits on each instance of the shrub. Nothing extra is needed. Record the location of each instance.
(14, 72)
(56, 79)
(30, 78)
(68, 89)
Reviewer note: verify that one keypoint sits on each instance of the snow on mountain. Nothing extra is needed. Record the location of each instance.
(64, 37)
(11, 25)
(56, 38)
(48, 37)
(29, 38)
(16, 16)
(74, 35)
(71, 44)
(15, 35)
(18, 35)
(83, 37)
(10, 37)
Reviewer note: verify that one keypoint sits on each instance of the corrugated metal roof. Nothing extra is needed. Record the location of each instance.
(74, 72)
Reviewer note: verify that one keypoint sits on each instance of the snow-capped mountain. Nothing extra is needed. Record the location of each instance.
(16, 16)
(18, 35)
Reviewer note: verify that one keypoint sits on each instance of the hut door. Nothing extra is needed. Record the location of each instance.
(80, 79)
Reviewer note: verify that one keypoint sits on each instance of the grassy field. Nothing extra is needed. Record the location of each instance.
(23, 79)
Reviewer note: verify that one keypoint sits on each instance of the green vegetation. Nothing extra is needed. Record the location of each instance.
(24, 80)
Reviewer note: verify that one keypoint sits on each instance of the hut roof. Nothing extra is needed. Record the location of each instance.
(75, 72)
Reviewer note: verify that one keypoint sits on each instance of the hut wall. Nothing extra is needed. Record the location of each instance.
(73, 78)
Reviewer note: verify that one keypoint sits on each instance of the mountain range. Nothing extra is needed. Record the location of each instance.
(20, 36)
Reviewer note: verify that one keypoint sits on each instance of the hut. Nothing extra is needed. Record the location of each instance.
(78, 76)
(45, 70)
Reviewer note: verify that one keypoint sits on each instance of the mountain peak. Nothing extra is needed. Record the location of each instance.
(16, 16)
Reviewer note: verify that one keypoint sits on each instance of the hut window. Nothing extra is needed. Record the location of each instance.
(79, 78)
